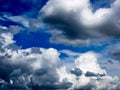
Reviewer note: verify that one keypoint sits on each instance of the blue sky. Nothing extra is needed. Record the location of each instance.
(47, 44)
(96, 4)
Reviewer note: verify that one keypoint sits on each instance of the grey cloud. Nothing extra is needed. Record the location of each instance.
(39, 68)
(72, 22)
(91, 74)
(116, 54)
(29, 68)
(23, 76)
(113, 51)
(76, 71)
(110, 61)
(100, 84)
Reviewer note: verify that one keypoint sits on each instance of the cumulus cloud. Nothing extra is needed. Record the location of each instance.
(40, 68)
(88, 62)
(75, 21)
(24, 69)
(93, 73)
(72, 23)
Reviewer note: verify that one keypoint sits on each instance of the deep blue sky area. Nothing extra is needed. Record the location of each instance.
(19, 7)
(41, 39)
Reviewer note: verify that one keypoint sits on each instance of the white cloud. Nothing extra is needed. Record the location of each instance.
(28, 68)
(6, 39)
(88, 62)
(78, 23)
(19, 19)
(70, 53)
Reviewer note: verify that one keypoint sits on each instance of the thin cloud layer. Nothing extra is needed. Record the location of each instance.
(75, 22)
(39, 68)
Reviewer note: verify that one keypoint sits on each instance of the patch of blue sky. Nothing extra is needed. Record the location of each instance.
(96, 4)
(41, 39)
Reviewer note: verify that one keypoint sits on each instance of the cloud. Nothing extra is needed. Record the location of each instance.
(29, 68)
(113, 51)
(76, 23)
(88, 62)
(40, 68)
(70, 53)
(90, 74)
(116, 54)
(23, 70)
(71, 23)
(76, 71)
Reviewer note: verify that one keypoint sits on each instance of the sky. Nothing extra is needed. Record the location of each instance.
(59, 45)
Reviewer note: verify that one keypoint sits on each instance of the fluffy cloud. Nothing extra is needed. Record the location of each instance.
(92, 72)
(72, 23)
(30, 68)
(39, 68)
(88, 62)
(75, 21)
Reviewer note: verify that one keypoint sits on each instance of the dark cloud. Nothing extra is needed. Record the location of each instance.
(20, 75)
(91, 74)
(110, 61)
(51, 87)
(78, 22)
(27, 69)
(76, 71)
(40, 68)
